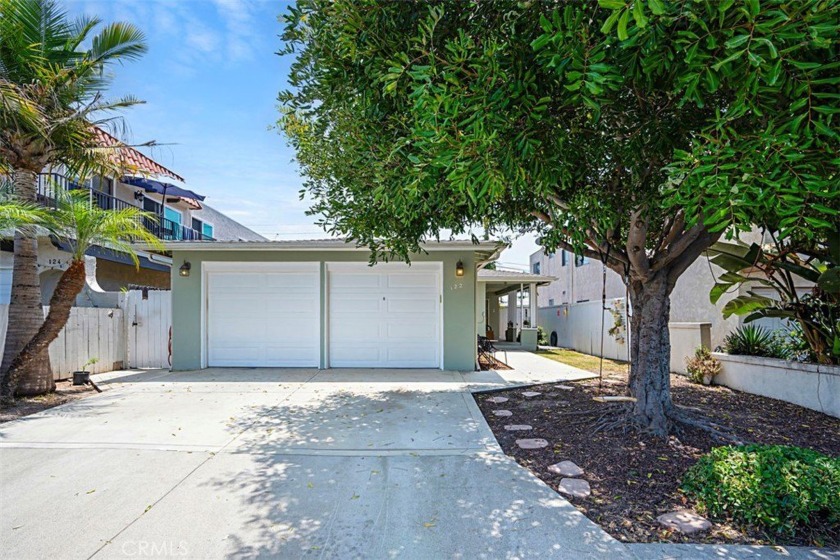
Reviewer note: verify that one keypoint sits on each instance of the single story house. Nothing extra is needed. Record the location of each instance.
(320, 304)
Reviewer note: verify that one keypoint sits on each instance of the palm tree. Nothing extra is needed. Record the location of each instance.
(51, 96)
(80, 225)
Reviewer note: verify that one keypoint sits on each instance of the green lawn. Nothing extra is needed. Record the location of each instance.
(584, 361)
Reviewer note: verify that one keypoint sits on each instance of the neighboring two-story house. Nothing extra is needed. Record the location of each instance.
(580, 280)
(146, 184)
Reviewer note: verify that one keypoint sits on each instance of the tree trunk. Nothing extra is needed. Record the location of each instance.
(650, 351)
(26, 313)
(69, 285)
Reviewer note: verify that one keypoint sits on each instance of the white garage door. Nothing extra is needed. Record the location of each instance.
(384, 316)
(263, 314)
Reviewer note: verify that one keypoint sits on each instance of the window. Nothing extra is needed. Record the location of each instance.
(151, 205)
(580, 260)
(535, 268)
(562, 258)
(551, 302)
(551, 255)
(203, 228)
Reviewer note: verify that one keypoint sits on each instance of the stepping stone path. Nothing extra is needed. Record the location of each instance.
(564, 387)
(536, 443)
(531, 394)
(518, 427)
(497, 400)
(574, 487)
(566, 468)
(685, 522)
(503, 413)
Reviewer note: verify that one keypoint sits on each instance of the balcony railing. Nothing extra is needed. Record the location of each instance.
(163, 228)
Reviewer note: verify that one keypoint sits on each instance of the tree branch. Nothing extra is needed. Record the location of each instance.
(696, 248)
(636, 241)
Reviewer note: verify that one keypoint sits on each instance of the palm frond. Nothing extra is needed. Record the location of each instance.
(118, 41)
(16, 215)
(82, 225)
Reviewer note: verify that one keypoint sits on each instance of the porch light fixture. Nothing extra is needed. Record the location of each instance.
(185, 269)
(459, 269)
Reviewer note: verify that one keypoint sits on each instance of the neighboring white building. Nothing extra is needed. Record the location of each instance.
(581, 280)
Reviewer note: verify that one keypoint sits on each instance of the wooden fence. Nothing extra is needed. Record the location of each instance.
(135, 335)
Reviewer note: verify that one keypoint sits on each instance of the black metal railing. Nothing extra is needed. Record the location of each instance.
(50, 184)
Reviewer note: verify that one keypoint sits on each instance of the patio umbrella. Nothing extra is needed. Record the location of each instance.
(150, 185)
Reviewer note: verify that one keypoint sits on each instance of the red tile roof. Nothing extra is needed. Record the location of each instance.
(132, 159)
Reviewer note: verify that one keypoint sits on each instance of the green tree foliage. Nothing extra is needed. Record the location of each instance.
(631, 131)
(784, 266)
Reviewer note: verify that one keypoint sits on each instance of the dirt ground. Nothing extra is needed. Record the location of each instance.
(65, 392)
(635, 477)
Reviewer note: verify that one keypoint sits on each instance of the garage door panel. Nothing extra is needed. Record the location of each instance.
(263, 318)
(290, 281)
(417, 280)
(382, 317)
(354, 281)
(356, 355)
(347, 328)
(406, 305)
(355, 303)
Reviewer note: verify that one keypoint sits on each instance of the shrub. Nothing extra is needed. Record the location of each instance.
(541, 339)
(702, 367)
(751, 340)
(776, 488)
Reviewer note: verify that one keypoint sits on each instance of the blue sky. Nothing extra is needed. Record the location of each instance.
(210, 81)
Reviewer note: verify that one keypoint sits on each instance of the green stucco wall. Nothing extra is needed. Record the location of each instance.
(459, 297)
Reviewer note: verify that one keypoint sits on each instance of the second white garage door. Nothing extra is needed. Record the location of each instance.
(263, 314)
(385, 316)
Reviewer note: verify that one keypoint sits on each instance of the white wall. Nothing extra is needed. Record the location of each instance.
(578, 327)
(810, 385)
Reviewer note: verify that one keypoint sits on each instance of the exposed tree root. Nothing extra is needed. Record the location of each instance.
(719, 433)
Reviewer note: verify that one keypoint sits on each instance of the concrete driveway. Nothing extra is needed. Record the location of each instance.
(278, 464)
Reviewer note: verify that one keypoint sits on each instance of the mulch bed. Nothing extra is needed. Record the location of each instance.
(488, 364)
(65, 392)
(634, 477)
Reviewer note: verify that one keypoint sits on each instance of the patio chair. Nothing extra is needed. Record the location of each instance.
(487, 350)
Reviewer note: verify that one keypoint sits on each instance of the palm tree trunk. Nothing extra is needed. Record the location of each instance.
(69, 285)
(26, 313)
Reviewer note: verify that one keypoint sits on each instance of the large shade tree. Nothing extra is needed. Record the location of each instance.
(632, 131)
(54, 71)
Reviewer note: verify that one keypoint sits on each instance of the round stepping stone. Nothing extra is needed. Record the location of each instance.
(531, 394)
(497, 400)
(566, 468)
(685, 522)
(503, 413)
(574, 487)
(536, 443)
(518, 427)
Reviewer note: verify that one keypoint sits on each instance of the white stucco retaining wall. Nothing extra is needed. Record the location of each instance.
(686, 338)
(810, 385)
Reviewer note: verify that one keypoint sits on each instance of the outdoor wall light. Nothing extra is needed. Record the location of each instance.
(459, 269)
(185, 269)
